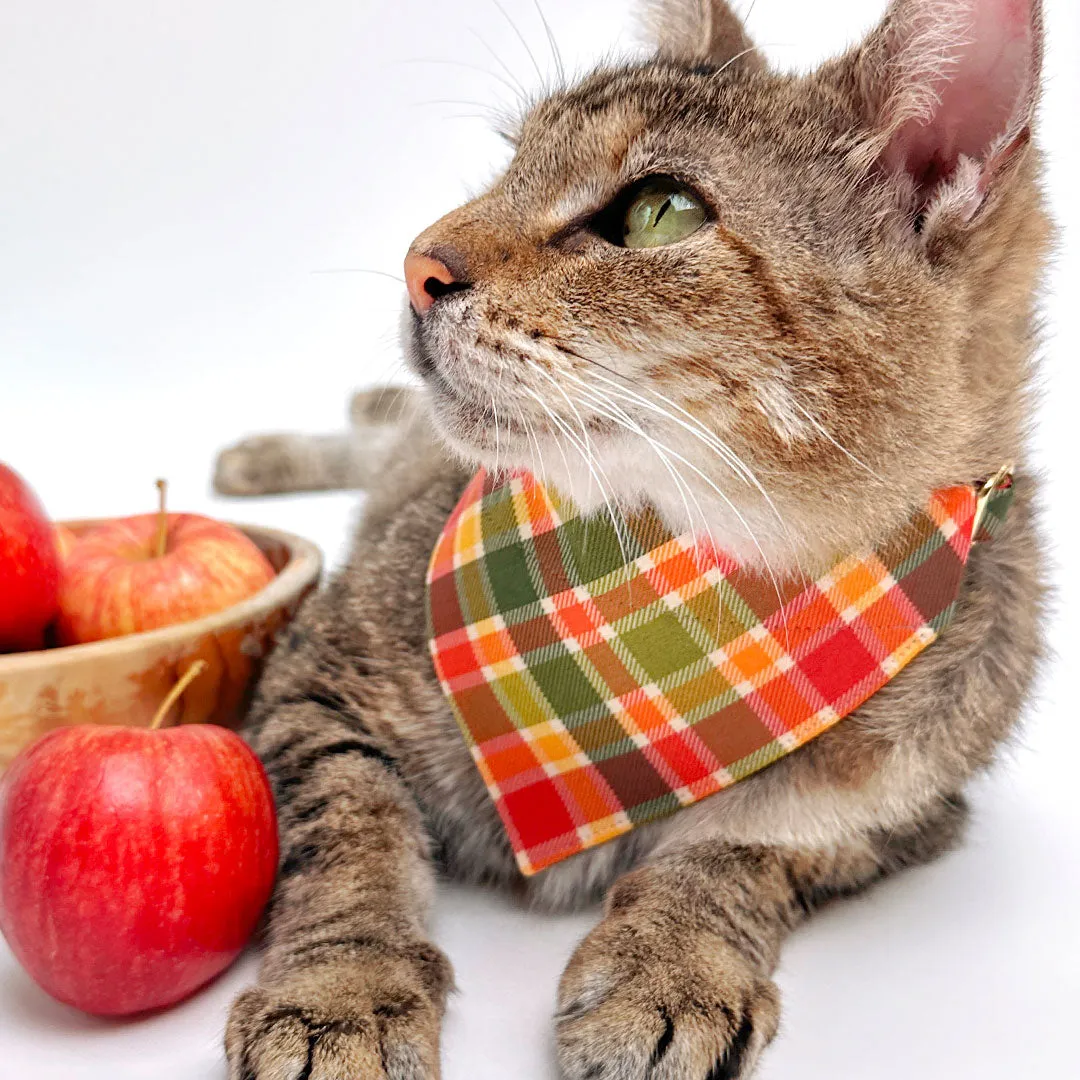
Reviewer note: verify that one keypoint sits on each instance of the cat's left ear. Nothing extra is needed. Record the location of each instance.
(701, 32)
(950, 89)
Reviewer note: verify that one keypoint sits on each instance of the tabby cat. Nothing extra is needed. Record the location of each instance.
(813, 297)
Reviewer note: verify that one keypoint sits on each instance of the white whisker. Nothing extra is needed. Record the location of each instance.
(515, 90)
(521, 38)
(495, 419)
(839, 446)
(556, 54)
(360, 270)
(554, 382)
(584, 434)
(683, 488)
(531, 432)
(525, 428)
(523, 93)
(737, 56)
(592, 467)
(558, 445)
(709, 439)
(622, 417)
(751, 535)
(694, 427)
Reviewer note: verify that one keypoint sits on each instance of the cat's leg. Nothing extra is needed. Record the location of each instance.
(674, 983)
(350, 986)
(283, 462)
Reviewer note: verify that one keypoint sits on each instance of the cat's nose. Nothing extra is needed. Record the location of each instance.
(428, 279)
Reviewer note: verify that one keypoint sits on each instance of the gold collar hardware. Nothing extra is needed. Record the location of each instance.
(1001, 479)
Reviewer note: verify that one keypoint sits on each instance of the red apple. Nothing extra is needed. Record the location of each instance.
(152, 570)
(29, 566)
(134, 863)
(65, 541)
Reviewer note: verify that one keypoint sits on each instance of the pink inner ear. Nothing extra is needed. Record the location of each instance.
(979, 93)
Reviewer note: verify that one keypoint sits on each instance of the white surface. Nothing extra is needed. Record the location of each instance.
(173, 176)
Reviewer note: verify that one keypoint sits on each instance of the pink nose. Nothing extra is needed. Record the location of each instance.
(426, 279)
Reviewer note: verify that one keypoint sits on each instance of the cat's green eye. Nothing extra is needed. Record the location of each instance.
(661, 211)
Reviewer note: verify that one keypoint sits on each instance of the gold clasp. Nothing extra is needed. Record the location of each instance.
(982, 500)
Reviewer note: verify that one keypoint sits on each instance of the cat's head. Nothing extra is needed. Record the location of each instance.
(782, 308)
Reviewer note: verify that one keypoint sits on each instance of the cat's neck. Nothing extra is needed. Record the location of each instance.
(736, 515)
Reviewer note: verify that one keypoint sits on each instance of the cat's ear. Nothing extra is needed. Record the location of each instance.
(949, 88)
(700, 32)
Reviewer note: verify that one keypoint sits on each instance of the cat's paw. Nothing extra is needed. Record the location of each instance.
(638, 1003)
(378, 1021)
(264, 465)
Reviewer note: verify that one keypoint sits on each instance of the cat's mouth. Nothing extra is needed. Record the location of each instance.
(423, 361)
(492, 402)
(483, 421)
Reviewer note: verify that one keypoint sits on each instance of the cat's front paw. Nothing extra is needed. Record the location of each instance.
(337, 1022)
(641, 1003)
(264, 465)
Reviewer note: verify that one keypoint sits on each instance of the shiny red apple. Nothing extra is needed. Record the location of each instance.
(134, 863)
(153, 570)
(29, 566)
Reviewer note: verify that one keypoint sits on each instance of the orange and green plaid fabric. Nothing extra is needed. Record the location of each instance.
(606, 679)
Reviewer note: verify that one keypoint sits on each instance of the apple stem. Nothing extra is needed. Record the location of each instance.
(173, 695)
(163, 521)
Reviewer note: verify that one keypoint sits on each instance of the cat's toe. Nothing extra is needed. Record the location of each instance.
(631, 1009)
(261, 465)
(323, 1029)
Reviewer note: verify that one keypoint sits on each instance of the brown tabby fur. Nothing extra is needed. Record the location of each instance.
(857, 341)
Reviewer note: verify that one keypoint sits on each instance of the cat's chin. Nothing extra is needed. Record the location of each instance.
(502, 435)
(481, 438)
(617, 482)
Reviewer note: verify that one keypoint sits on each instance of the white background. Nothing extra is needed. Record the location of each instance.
(174, 178)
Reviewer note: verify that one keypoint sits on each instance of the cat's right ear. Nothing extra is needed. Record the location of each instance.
(701, 32)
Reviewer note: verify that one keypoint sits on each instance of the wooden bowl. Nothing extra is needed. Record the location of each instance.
(123, 680)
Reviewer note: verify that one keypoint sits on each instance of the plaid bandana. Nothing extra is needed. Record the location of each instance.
(604, 679)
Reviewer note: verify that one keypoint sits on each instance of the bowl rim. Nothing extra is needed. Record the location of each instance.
(301, 571)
